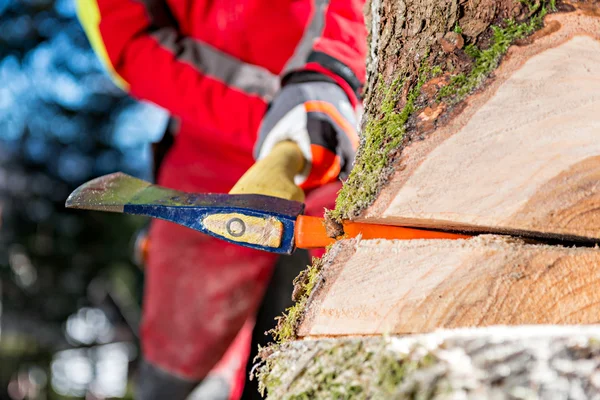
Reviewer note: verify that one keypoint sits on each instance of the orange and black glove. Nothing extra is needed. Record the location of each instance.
(318, 116)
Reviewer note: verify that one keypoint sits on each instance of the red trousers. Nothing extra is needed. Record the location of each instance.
(200, 292)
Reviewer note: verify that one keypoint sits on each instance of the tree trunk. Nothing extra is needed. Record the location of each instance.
(481, 116)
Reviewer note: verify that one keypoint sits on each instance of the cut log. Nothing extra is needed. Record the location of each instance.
(522, 156)
(399, 287)
(472, 122)
(542, 362)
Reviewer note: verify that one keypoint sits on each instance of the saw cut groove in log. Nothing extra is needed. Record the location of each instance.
(400, 287)
(523, 155)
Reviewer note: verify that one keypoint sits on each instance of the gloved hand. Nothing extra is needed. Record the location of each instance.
(318, 116)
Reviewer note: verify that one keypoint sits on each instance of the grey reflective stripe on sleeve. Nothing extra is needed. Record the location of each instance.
(311, 33)
(248, 78)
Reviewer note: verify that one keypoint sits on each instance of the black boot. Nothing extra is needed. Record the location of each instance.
(153, 383)
(277, 298)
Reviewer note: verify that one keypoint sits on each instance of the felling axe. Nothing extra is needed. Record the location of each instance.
(262, 211)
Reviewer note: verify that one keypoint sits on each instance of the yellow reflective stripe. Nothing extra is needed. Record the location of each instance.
(89, 16)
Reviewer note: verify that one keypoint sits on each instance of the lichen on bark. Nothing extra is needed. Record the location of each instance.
(347, 369)
(537, 362)
(425, 57)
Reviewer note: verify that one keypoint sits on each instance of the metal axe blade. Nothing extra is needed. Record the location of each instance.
(106, 193)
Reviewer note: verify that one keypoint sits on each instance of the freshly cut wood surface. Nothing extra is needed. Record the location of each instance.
(523, 155)
(398, 287)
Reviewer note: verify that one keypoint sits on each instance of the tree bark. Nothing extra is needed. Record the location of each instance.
(481, 115)
(540, 362)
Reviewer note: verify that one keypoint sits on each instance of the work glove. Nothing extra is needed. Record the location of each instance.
(319, 117)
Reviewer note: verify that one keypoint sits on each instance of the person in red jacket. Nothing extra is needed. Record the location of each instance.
(239, 76)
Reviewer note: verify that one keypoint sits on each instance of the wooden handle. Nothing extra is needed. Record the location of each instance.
(274, 174)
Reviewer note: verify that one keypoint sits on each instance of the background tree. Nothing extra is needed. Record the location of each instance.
(66, 279)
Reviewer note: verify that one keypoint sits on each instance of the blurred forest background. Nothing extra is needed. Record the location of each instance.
(69, 293)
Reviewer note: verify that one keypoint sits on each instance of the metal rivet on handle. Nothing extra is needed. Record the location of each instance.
(236, 227)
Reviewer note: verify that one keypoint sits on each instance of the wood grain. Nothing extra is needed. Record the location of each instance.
(524, 154)
(400, 287)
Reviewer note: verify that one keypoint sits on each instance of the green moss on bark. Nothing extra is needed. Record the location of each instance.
(345, 369)
(304, 286)
(492, 362)
(381, 137)
(485, 61)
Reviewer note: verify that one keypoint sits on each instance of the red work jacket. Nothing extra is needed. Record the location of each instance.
(216, 64)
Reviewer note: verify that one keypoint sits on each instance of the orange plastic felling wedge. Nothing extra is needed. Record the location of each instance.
(310, 232)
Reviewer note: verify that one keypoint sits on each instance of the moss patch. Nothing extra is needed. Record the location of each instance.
(381, 137)
(304, 285)
(385, 131)
(461, 363)
(485, 61)
(344, 369)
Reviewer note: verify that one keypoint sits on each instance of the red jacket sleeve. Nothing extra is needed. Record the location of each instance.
(340, 49)
(153, 61)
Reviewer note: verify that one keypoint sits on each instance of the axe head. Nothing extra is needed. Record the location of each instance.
(107, 193)
(251, 220)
